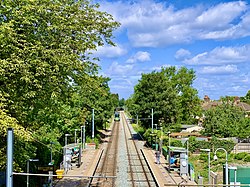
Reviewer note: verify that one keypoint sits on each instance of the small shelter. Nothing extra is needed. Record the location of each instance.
(178, 158)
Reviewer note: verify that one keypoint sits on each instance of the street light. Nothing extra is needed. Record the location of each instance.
(75, 134)
(93, 124)
(208, 150)
(155, 137)
(83, 136)
(28, 168)
(51, 163)
(65, 150)
(226, 165)
(169, 138)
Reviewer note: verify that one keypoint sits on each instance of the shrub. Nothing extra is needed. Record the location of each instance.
(241, 156)
(247, 158)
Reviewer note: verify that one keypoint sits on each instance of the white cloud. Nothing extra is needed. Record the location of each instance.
(140, 56)
(152, 24)
(220, 16)
(110, 51)
(159, 68)
(182, 54)
(221, 55)
(227, 69)
(119, 69)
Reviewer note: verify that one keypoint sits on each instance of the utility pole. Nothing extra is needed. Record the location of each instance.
(9, 170)
(152, 120)
(93, 124)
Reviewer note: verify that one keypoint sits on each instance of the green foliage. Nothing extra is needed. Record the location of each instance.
(139, 129)
(241, 156)
(226, 120)
(48, 76)
(170, 93)
(246, 98)
(204, 157)
(22, 142)
(247, 158)
(122, 102)
(195, 145)
(175, 143)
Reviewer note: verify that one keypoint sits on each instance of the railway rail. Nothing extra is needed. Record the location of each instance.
(139, 172)
(106, 168)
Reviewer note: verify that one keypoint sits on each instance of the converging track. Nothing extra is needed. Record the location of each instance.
(139, 172)
(122, 162)
(106, 169)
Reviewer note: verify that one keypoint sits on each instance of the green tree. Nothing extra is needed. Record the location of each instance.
(170, 93)
(45, 51)
(246, 98)
(47, 74)
(226, 120)
(23, 142)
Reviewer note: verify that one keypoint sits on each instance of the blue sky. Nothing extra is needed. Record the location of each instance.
(211, 37)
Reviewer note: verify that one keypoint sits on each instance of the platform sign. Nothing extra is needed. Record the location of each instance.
(45, 168)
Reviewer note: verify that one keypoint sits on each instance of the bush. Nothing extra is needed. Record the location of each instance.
(241, 156)
(247, 158)
(203, 156)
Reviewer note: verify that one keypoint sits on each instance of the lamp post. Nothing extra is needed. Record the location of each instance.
(208, 151)
(155, 137)
(51, 152)
(226, 165)
(28, 168)
(75, 134)
(93, 124)
(169, 138)
(65, 150)
(152, 111)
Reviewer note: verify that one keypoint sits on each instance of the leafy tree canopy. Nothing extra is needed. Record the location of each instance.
(171, 95)
(226, 120)
(49, 81)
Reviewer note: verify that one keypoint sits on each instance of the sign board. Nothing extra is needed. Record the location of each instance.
(45, 168)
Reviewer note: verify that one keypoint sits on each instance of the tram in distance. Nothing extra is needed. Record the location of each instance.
(117, 116)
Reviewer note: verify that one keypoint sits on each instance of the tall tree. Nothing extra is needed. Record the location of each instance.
(171, 95)
(44, 52)
(226, 120)
(45, 63)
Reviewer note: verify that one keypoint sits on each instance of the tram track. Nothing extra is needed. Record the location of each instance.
(139, 172)
(106, 168)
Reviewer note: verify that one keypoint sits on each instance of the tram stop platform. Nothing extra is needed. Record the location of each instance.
(90, 159)
(80, 176)
(161, 173)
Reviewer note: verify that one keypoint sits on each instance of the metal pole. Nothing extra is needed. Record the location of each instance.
(209, 181)
(64, 156)
(75, 136)
(81, 137)
(226, 164)
(93, 123)
(235, 177)
(137, 119)
(226, 168)
(84, 136)
(51, 152)
(9, 170)
(169, 139)
(152, 120)
(28, 170)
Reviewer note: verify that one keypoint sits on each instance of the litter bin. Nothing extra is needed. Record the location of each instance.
(59, 173)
